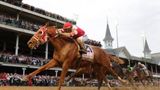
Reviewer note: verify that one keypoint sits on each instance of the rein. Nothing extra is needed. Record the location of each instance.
(36, 38)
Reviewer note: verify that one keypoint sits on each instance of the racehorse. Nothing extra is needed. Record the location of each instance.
(138, 74)
(90, 69)
(66, 52)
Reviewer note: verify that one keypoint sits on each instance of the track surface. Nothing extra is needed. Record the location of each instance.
(75, 88)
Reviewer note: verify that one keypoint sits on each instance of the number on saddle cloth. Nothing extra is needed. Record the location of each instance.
(90, 54)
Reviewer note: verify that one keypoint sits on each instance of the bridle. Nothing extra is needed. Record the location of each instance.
(43, 35)
(44, 29)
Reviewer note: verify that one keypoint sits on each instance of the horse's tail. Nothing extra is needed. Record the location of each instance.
(116, 59)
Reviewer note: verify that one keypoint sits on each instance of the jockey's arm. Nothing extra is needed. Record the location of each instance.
(71, 34)
(66, 34)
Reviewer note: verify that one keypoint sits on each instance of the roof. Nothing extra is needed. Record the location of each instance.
(156, 58)
(121, 52)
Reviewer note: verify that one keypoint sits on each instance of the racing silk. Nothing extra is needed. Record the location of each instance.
(129, 69)
(79, 32)
(142, 66)
(76, 32)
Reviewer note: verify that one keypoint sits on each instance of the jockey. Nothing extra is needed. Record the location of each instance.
(76, 33)
(143, 68)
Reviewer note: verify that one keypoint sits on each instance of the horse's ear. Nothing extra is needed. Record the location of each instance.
(55, 26)
(46, 24)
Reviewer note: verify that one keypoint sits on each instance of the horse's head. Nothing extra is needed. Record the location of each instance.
(40, 37)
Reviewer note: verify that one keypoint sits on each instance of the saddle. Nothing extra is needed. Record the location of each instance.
(89, 56)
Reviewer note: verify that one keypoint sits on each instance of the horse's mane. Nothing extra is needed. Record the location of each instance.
(65, 38)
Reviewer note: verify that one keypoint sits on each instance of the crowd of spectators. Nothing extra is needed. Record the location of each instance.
(37, 10)
(10, 79)
(12, 21)
(93, 42)
(21, 59)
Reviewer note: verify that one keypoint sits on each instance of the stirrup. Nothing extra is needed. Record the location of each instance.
(83, 51)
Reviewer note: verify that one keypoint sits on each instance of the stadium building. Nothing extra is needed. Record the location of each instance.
(151, 60)
(18, 22)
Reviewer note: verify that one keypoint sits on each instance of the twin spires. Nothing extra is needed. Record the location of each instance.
(108, 39)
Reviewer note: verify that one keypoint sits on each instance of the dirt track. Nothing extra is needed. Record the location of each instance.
(76, 88)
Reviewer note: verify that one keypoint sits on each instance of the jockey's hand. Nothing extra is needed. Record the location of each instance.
(60, 31)
(72, 34)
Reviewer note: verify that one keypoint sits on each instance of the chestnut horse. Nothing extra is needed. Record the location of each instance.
(66, 53)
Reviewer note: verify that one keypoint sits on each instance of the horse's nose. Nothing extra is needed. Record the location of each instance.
(29, 42)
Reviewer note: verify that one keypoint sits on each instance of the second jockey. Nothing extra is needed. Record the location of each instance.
(75, 32)
(143, 68)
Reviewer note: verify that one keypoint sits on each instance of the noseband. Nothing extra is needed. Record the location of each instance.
(57, 34)
(36, 38)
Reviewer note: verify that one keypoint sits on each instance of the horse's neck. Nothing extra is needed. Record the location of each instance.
(59, 43)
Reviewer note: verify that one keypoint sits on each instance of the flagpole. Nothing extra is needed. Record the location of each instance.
(117, 35)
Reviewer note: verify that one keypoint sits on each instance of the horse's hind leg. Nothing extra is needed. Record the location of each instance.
(108, 66)
(99, 84)
(78, 72)
(101, 77)
(115, 74)
(106, 81)
(50, 64)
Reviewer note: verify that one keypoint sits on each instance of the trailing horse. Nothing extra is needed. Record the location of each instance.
(66, 53)
(137, 74)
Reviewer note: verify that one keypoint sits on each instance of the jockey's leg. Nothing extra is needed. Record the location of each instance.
(50, 64)
(81, 43)
(146, 72)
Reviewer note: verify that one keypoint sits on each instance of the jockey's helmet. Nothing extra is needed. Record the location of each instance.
(67, 25)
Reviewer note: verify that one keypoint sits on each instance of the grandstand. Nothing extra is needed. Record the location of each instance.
(18, 22)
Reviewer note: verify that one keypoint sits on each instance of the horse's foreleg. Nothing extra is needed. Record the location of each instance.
(50, 64)
(65, 68)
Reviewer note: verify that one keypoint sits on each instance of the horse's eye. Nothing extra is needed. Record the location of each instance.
(40, 32)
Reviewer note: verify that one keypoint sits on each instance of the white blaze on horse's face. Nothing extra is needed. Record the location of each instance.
(40, 37)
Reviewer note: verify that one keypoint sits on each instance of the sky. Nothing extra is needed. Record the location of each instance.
(134, 20)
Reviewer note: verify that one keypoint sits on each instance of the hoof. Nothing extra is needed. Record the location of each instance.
(26, 78)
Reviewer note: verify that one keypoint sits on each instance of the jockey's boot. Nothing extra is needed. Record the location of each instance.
(146, 72)
(82, 48)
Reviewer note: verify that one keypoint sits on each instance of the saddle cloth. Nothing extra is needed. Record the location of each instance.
(90, 54)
